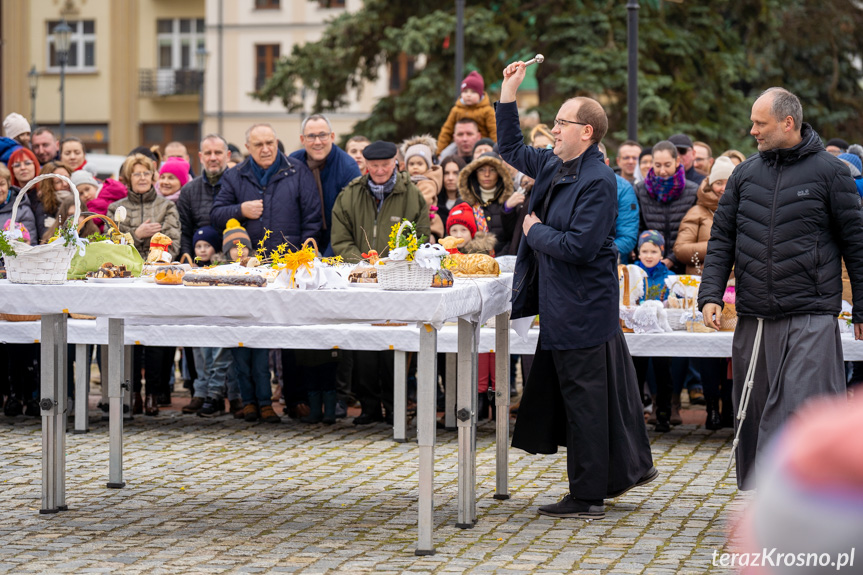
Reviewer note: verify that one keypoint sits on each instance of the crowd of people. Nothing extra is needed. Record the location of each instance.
(455, 184)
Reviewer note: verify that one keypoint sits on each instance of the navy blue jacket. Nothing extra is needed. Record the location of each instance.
(567, 266)
(339, 170)
(292, 207)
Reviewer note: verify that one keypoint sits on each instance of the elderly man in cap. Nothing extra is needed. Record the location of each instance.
(686, 151)
(363, 215)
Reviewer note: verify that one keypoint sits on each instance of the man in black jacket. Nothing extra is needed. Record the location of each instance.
(196, 197)
(788, 217)
(582, 391)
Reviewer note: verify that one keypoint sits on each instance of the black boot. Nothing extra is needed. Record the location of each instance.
(330, 398)
(482, 407)
(713, 421)
(315, 405)
(663, 423)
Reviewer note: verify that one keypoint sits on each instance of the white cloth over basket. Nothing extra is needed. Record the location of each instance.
(636, 284)
(320, 277)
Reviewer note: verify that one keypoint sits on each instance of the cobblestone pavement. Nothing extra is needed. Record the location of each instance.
(224, 496)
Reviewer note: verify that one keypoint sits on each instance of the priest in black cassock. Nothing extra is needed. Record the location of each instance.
(582, 391)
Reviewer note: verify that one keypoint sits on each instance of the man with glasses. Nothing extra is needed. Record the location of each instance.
(686, 155)
(582, 390)
(332, 167)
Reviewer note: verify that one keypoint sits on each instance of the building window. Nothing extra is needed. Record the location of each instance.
(266, 4)
(178, 40)
(266, 57)
(402, 69)
(331, 3)
(82, 46)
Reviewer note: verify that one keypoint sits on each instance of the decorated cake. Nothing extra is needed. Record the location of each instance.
(442, 278)
(363, 275)
(170, 275)
(109, 270)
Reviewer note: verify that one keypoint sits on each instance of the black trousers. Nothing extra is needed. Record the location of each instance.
(20, 370)
(374, 381)
(157, 362)
(662, 373)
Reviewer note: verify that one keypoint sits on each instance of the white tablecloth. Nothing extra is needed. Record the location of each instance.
(142, 302)
(366, 337)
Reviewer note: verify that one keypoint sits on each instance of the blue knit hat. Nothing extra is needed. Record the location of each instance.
(653, 237)
(852, 159)
(210, 235)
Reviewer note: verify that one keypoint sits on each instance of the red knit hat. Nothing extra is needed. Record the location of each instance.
(474, 81)
(461, 214)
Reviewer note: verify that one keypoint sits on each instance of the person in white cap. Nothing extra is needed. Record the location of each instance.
(17, 127)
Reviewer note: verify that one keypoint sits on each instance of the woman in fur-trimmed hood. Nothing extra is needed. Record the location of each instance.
(486, 185)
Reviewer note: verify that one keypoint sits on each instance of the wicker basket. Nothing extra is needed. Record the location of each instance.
(404, 276)
(46, 263)
(17, 317)
(728, 319)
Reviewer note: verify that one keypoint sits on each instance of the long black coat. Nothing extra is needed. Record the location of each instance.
(785, 222)
(566, 268)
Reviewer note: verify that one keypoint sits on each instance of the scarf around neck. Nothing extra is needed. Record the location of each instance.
(665, 190)
(264, 176)
(316, 166)
(381, 191)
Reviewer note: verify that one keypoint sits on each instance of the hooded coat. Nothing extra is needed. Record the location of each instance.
(149, 206)
(360, 225)
(292, 206)
(481, 113)
(110, 192)
(695, 229)
(500, 222)
(787, 219)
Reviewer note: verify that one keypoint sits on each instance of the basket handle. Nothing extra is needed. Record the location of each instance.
(101, 217)
(188, 257)
(36, 180)
(314, 244)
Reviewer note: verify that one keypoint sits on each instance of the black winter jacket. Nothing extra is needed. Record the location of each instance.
(784, 222)
(194, 205)
(666, 218)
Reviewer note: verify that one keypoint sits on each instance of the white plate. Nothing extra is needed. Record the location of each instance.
(112, 280)
(365, 285)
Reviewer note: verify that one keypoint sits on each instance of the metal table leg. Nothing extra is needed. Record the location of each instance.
(465, 415)
(400, 398)
(53, 404)
(450, 391)
(116, 385)
(426, 430)
(501, 402)
(474, 397)
(82, 389)
(105, 368)
(129, 352)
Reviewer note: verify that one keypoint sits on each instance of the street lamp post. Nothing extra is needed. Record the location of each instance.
(33, 77)
(459, 45)
(62, 33)
(202, 55)
(632, 88)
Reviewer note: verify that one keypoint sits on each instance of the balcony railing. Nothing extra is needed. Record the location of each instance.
(157, 83)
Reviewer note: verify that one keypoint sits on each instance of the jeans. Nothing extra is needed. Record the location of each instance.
(253, 375)
(212, 366)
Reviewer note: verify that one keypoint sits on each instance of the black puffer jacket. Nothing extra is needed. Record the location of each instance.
(665, 218)
(785, 220)
(194, 205)
(501, 223)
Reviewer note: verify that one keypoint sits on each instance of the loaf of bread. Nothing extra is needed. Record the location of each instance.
(475, 264)
(203, 279)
